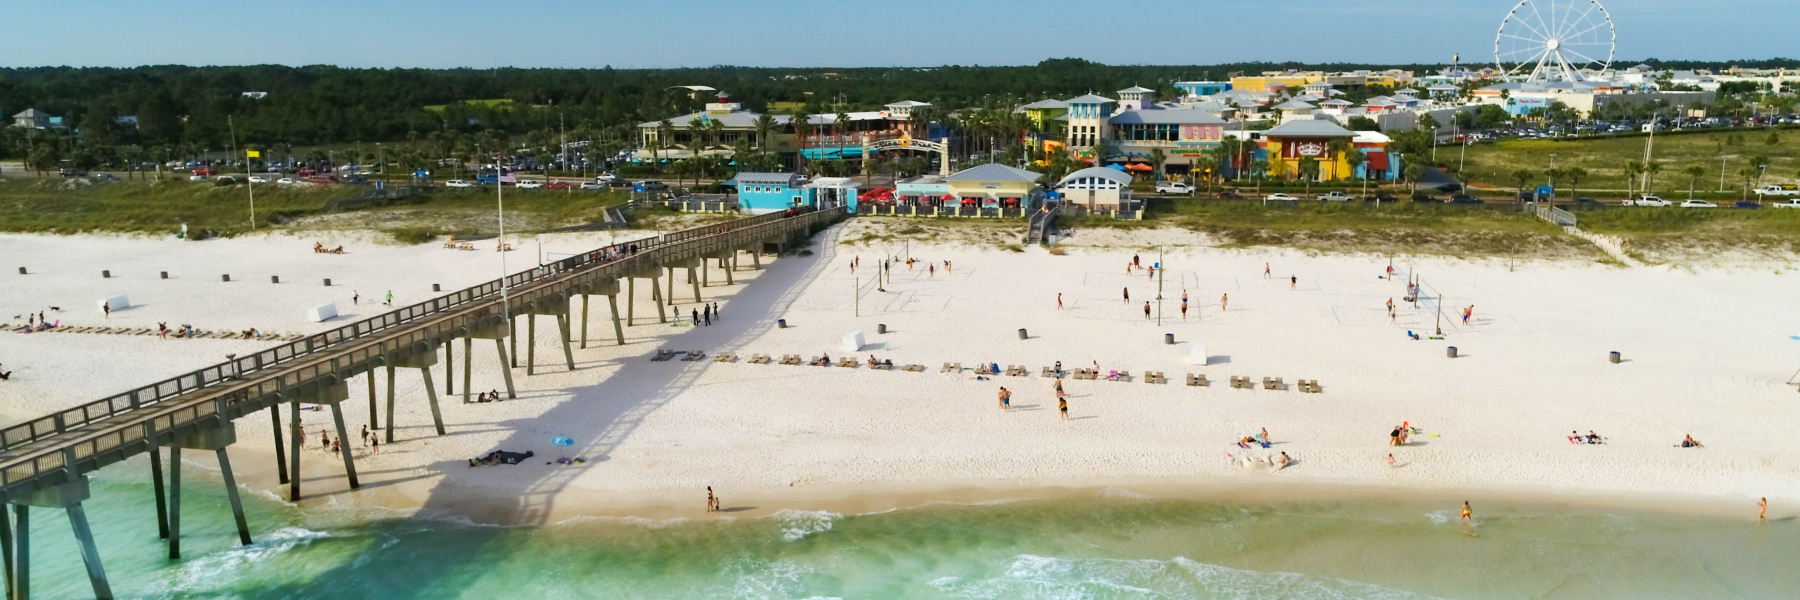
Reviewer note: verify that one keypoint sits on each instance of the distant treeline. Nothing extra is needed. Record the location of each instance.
(199, 107)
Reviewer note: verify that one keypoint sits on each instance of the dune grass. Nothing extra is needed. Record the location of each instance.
(1688, 233)
(54, 205)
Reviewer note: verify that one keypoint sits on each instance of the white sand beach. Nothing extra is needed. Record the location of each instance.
(1707, 353)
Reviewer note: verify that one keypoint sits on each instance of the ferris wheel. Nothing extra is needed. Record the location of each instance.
(1555, 39)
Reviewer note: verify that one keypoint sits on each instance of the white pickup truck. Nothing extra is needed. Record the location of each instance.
(1778, 190)
(1794, 203)
(1336, 197)
(1173, 187)
(1647, 201)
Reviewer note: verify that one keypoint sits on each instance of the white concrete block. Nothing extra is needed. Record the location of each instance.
(322, 312)
(1196, 353)
(853, 342)
(115, 303)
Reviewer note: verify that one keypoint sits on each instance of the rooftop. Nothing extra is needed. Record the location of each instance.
(994, 172)
(1309, 129)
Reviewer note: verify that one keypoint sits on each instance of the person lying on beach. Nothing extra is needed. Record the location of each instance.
(1690, 443)
(1593, 438)
(824, 361)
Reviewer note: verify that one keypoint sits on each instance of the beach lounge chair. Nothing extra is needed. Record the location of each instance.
(790, 359)
(693, 355)
(758, 359)
(1242, 383)
(1016, 370)
(1155, 377)
(662, 355)
(1196, 380)
(847, 362)
(982, 369)
(725, 357)
(1309, 387)
(951, 368)
(1119, 376)
(1048, 372)
(1273, 384)
(914, 368)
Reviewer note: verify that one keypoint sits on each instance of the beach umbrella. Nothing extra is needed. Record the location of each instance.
(563, 441)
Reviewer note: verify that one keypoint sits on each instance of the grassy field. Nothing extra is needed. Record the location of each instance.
(1411, 228)
(1490, 164)
(55, 205)
(1660, 234)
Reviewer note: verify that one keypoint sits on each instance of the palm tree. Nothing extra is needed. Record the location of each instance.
(1202, 168)
(1308, 170)
(1340, 147)
(665, 136)
(1260, 168)
(1747, 173)
(715, 131)
(1355, 158)
(1575, 175)
(1412, 172)
(1232, 147)
(1694, 172)
(1157, 158)
(1632, 169)
(1761, 163)
(765, 126)
(1650, 171)
(1520, 176)
(798, 119)
(840, 124)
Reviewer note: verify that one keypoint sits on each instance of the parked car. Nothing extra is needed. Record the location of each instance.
(556, 185)
(1336, 197)
(458, 183)
(1173, 187)
(1230, 195)
(226, 180)
(1422, 197)
(1697, 204)
(1382, 197)
(1648, 201)
(1465, 199)
(199, 178)
(1583, 203)
(72, 172)
(529, 184)
(287, 181)
(259, 179)
(1281, 197)
(652, 185)
(592, 185)
(1746, 204)
(1450, 188)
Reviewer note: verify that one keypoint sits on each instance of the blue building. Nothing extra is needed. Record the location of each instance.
(760, 193)
(1202, 88)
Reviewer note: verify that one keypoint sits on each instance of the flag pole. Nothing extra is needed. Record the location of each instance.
(251, 183)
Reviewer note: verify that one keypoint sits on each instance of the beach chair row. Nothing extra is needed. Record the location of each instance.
(151, 331)
(1310, 386)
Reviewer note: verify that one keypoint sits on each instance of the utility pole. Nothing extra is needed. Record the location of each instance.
(1160, 272)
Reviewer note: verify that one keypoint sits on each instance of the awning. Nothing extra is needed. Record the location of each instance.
(1378, 161)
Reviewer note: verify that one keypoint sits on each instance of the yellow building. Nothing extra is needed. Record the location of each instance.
(1290, 144)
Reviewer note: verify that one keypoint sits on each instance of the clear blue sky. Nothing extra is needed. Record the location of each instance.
(843, 33)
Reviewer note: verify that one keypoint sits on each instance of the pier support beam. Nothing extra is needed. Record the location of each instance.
(216, 440)
(423, 362)
(68, 496)
(390, 394)
(281, 463)
(374, 423)
(295, 433)
(530, 344)
(568, 354)
(497, 332)
(630, 299)
(468, 363)
(156, 485)
(449, 367)
(695, 280)
(613, 300)
(584, 321)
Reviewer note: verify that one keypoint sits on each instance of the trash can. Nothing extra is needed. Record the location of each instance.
(1022, 334)
(106, 274)
(1451, 352)
(165, 274)
(225, 277)
(21, 270)
(434, 287)
(274, 279)
(781, 323)
(328, 282)
(882, 328)
(1613, 358)
(1169, 338)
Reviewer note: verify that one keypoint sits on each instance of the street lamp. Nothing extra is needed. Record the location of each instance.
(1552, 174)
(1722, 158)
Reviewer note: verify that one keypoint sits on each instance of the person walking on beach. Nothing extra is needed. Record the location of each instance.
(1146, 309)
(355, 297)
(1293, 282)
(365, 435)
(696, 318)
(853, 266)
(1005, 399)
(1062, 405)
(715, 307)
(1390, 460)
(933, 270)
(374, 444)
(1265, 270)
(106, 307)
(1224, 300)
(390, 298)
(1127, 294)
(1391, 314)
(707, 315)
(1468, 312)
(1059, 305)
(949, 269)
(1762, 509)
(1134, 260)
(710, 499)
(1467, 515)
(1152, 272)
(1059, 390)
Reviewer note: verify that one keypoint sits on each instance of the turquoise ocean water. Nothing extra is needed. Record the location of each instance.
(1113, 544)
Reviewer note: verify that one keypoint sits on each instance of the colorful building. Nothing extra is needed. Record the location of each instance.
(1289, 145)
(760, 193)
(1095, 188)
(1202, 89)
(995, 186)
